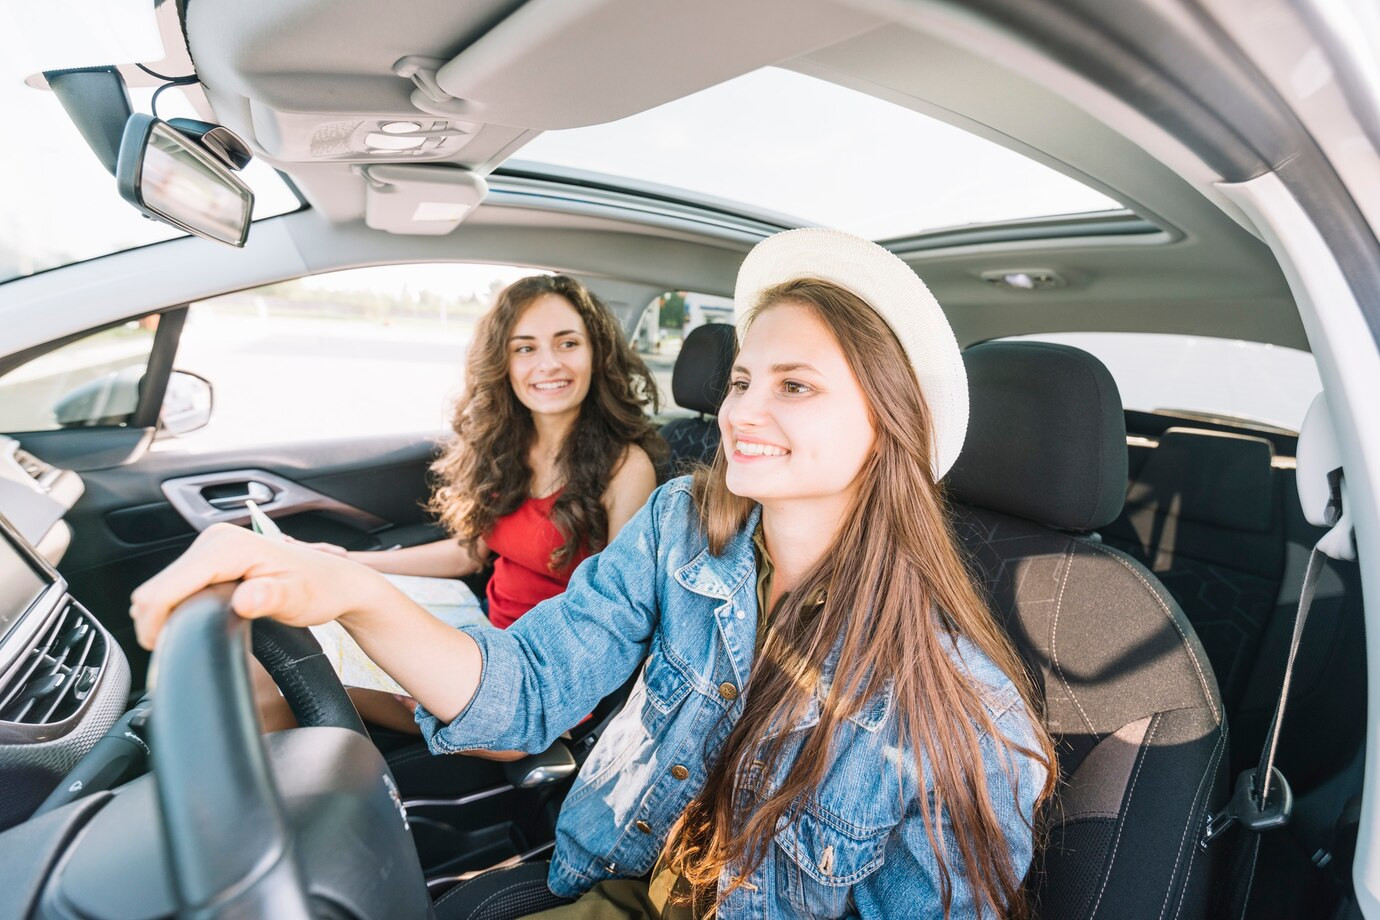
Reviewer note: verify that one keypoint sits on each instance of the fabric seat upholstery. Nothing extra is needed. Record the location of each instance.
(1204, 514)
(1126, 688)
(698, 383)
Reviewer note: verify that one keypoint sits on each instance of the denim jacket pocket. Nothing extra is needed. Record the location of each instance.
(667, 684)
(822, 862)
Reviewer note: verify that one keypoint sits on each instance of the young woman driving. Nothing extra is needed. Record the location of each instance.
(829, 722)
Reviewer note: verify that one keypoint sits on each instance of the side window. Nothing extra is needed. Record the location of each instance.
(93, 380)
(665, 323)
(1226, 380)
(351, 353)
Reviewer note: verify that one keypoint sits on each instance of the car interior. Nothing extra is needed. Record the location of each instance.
(1147, 559)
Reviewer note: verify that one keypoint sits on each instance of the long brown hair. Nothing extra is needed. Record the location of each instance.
(896, 592)
(484, 474)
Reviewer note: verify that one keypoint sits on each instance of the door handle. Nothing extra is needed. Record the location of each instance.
(255, 492)
(187, 494)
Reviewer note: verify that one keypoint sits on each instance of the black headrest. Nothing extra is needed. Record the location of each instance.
(1046, 436)
(1211, 477)
(700, 378)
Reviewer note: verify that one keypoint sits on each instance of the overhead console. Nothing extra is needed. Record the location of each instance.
(461, 86)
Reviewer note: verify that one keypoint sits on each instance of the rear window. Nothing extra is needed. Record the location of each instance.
(662, 328)
(1229, 379)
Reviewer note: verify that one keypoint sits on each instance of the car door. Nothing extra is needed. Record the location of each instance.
(328, 400)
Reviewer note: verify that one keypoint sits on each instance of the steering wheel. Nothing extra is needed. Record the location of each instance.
(238, 844)
(293, 658)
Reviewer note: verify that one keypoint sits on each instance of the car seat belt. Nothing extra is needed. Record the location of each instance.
(1262, 799)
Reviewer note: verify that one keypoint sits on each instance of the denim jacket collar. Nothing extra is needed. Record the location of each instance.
(724, 575)
(729, 574)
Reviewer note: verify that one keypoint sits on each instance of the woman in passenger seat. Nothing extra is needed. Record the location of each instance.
(553, 450)
(829, 721)
(553, 454)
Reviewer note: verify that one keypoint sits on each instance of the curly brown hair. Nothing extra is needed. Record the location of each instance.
(484, 474)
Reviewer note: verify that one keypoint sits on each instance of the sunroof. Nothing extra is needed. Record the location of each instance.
(785, 143)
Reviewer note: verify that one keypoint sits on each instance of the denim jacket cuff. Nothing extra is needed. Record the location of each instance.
(489, 714)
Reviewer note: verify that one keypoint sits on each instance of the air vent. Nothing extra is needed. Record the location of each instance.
(59, 673)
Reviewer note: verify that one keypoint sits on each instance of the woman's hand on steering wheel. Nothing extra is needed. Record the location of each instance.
(329, 549)
(290, 582)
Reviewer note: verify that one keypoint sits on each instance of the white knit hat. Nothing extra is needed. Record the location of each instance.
(888, 286)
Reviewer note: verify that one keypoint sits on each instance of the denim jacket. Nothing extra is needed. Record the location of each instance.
(656, 593)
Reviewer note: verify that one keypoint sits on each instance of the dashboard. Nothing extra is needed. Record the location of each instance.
(64, 680)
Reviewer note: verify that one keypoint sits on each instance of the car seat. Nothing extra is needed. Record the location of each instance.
(699, 382)
(1124, 684)
(1204, 513)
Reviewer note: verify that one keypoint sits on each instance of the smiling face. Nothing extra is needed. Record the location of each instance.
(550, 357)
(795, 424)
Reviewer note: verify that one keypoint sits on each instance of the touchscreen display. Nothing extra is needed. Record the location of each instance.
(20, 581)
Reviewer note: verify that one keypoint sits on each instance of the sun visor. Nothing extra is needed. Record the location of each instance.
(572, 63)
(420, 200)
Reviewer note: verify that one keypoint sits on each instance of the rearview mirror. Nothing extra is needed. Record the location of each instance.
(170, 177)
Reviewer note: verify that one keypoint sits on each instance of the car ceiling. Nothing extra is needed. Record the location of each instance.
(287, 74)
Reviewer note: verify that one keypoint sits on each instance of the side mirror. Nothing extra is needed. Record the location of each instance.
(171, 177)
(187, 404)
(112, 398)
(108, 400)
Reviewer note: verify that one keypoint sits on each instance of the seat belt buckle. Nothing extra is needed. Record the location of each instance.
(1246, 808)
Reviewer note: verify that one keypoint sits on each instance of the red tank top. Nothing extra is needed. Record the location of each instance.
(522, 543)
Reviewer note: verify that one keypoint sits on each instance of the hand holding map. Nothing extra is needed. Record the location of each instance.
(448, 600)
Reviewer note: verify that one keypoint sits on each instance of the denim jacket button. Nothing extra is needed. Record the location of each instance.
(679, 772)
(643, 826)
(728, 691)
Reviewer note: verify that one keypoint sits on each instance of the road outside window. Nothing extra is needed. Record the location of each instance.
(664, 324)
(91, 381)
(353, 353)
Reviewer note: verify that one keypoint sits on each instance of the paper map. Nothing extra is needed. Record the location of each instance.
(446, 599)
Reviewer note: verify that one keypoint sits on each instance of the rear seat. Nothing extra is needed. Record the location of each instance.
(1203, 513)
(1216, 516)
(698, 383)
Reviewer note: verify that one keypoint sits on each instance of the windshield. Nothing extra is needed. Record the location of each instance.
(60, 203)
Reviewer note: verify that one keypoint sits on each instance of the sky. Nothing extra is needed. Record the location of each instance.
(59, 202)
(805, 147)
